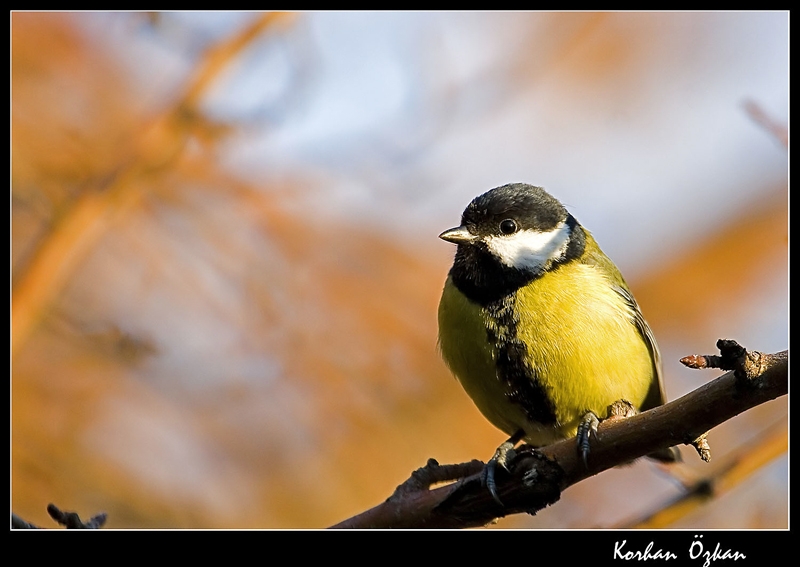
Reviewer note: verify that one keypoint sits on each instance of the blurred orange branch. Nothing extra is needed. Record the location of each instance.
(738, 467)
(159, 143)
(217, 57)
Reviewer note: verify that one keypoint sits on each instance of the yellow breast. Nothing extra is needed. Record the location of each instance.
(582, 347)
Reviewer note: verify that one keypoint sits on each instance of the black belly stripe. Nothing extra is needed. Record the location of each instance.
(512, 369)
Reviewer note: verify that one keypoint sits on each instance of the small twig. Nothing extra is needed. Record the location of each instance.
(69, 520)
(72, 521)
(433, 473)
(747, 365)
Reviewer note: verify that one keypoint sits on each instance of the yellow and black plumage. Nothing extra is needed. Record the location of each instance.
(538, 324)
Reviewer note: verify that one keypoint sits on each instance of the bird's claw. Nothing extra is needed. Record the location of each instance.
(502, 456)
(586, 430)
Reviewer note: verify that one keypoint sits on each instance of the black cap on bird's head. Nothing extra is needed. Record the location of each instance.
(527, 206)
(510, 235)
(532, 207)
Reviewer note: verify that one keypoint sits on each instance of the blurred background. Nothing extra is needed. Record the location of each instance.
(225, 263)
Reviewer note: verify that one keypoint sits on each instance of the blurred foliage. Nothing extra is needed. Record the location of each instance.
(190, 350)
(133, 237)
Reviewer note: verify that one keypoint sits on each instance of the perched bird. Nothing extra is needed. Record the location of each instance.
(538, 324)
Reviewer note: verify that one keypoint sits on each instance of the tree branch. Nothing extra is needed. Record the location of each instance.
(538, 477)
(69, 520)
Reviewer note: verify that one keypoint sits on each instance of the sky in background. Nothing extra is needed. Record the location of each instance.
(634, 120)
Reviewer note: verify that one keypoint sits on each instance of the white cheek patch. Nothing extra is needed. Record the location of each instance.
(529, 249)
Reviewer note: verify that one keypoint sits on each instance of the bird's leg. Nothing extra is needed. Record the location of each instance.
(504, 455)
(587, 428)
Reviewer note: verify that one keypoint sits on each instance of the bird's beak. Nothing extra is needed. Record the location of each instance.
(458, 235)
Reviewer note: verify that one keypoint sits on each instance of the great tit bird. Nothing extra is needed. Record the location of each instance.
(538, 324)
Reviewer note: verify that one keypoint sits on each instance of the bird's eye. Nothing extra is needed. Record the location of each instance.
(508, 226)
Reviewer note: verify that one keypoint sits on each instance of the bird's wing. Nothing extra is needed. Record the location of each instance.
(656, 395)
